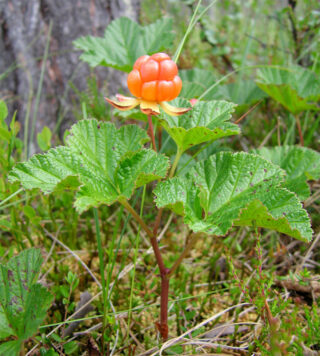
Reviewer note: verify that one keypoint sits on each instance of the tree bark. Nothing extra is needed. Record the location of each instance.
(24, 28)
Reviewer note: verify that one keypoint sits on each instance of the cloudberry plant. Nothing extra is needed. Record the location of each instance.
(224, 191)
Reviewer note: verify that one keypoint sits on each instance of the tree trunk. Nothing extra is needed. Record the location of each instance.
(24, 27)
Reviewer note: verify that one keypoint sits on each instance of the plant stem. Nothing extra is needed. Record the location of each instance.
(151, 133)
(137, 217)
(175, 163)
(159, 137)
(134, 263)
(163, 325)
(157, 222)
(299, 130)
(103, 282)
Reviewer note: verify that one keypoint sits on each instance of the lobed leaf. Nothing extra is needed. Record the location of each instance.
(23, 302)
(46, 171)
(124, 41)
(296, 88)
(10, 348)
(106, 162)
(234, 189)
(300, 164)
(207, 121)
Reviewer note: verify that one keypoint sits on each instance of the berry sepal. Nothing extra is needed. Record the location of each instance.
(125, 103)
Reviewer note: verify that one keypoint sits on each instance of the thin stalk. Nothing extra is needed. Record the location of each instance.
(103, 281)
(151, 132)
(175, 163)
(191, 25)
(27, 117)
(111, 254)
(135, 261)
(159, 137)
(43, 67)
(11, 196)
(137, 217)
(299, 130)
(163, 325)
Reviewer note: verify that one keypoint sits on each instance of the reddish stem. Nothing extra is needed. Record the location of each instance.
(157, 222)
(164, 306)
(157, 252)
(300, 130)
(163, 326)
(151, 133)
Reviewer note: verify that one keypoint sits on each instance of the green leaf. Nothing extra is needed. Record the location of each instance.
(296, 88)
(3, 110)
(234, 189)
(50, 352)
(5, 134)
(70, 347)
(45, 171)
(23, 302)
(108, 163)
(244, 92)
(300, 163)
(10, 348)
(207, 121)
(36, 306)
(44, 138)
(157, 36)
(196, 81)
(124, 41)
(5, 329)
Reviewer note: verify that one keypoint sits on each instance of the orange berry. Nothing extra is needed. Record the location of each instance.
(149, 70)
(177, 82)
(165, 90)
(134, 82)
(139, 61)
(160, 56)
(149, 90)
(168, 70)
(155, 78)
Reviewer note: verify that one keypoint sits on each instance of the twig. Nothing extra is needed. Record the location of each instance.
(209, 320)
(74, 255)
(79, 314)
(248, 112)
(315, 241)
